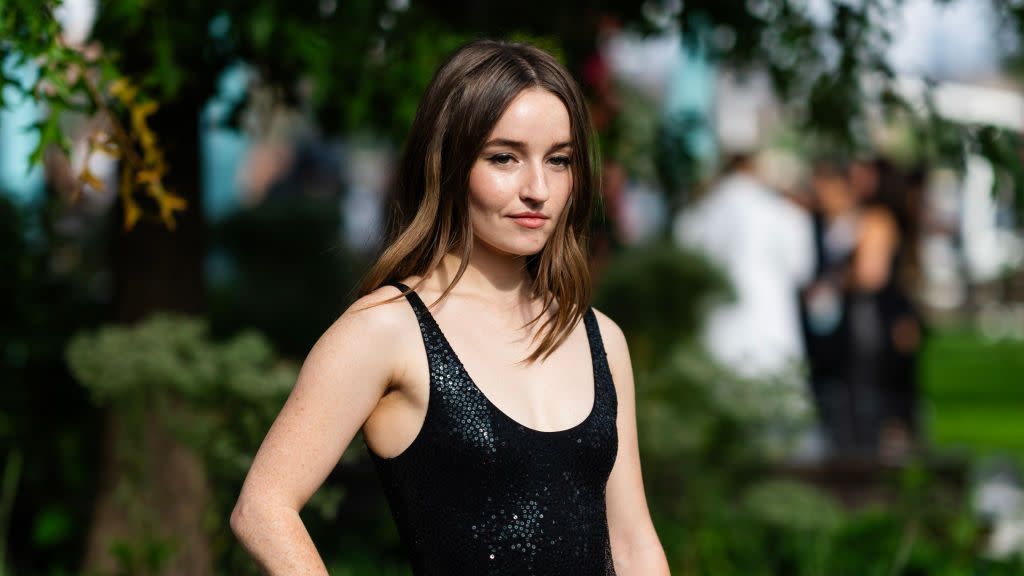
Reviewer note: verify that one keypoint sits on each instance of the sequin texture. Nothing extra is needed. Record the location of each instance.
(478, 493)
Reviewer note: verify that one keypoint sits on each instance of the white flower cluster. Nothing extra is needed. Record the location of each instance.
(999, 499)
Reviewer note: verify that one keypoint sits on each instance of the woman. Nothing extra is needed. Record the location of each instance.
(505, 457)
(823, 308)
(885, 325)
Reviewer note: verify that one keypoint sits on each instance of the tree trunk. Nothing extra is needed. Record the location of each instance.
(156, 269)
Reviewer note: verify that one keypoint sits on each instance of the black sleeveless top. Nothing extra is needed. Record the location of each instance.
(478, 493)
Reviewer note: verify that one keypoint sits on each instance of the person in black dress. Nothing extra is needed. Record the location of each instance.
(496, 403)
(886, 327)
(824, 312)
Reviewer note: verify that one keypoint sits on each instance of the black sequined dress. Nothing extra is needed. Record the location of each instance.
(478, 493)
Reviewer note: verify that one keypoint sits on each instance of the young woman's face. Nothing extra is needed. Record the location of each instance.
(521, 181)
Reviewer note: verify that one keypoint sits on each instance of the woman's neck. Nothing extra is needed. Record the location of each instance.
(497, 277)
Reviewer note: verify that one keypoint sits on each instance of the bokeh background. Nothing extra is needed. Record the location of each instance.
(190, 191)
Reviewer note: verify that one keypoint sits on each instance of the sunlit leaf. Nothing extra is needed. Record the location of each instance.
(123, 90)
(169, 204)
(87, 177)
(146, 176)
(132, 214)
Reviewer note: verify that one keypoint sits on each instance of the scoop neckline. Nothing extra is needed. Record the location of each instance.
(495, 407)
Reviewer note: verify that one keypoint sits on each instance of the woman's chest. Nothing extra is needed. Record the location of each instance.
(549, 394)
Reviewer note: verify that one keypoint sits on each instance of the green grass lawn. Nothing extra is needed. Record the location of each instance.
(974, 393)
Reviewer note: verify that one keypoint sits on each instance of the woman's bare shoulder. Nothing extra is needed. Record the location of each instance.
(617, 351)
(382, 305)
(371, 325)
(612, 336)
(878, 221)
(383, 312)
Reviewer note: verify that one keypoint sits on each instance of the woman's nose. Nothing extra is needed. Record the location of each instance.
(536, 186)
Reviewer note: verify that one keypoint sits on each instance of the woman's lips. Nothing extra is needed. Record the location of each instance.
(529, 221)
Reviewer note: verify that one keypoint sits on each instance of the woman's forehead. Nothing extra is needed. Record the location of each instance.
(535, 116)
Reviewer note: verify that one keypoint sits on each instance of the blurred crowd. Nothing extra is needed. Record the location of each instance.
(824, 282)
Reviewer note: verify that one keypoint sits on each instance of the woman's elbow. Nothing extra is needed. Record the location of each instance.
(243, 518)
(640, 555)
(237, 521)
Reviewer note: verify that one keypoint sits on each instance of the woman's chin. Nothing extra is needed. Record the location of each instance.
(518, 250)
(524, 253)
(514, 245)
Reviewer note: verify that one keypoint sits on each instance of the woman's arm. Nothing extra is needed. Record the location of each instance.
(636, 549)
(341, 380)
(876, 243)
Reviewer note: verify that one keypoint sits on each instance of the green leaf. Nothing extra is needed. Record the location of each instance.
(50, 132)
(52, 527)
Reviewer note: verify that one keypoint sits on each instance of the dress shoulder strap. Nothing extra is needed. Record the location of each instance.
(593, 332)
(411, 296)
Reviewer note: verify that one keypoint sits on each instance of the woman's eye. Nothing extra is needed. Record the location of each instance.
(561, 160)
(501, 158)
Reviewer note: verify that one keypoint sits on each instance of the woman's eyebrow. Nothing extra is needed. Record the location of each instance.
(518, 145)
(506, 142)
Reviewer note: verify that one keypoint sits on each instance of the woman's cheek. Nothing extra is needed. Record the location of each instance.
(564, 191)
(490, 190)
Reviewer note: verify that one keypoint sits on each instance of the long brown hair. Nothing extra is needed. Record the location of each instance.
(430, 216)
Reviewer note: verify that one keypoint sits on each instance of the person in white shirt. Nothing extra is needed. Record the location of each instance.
(763, 243)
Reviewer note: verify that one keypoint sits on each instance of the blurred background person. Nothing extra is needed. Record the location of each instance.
(885, 329)
(823, 305)
(763, 245)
